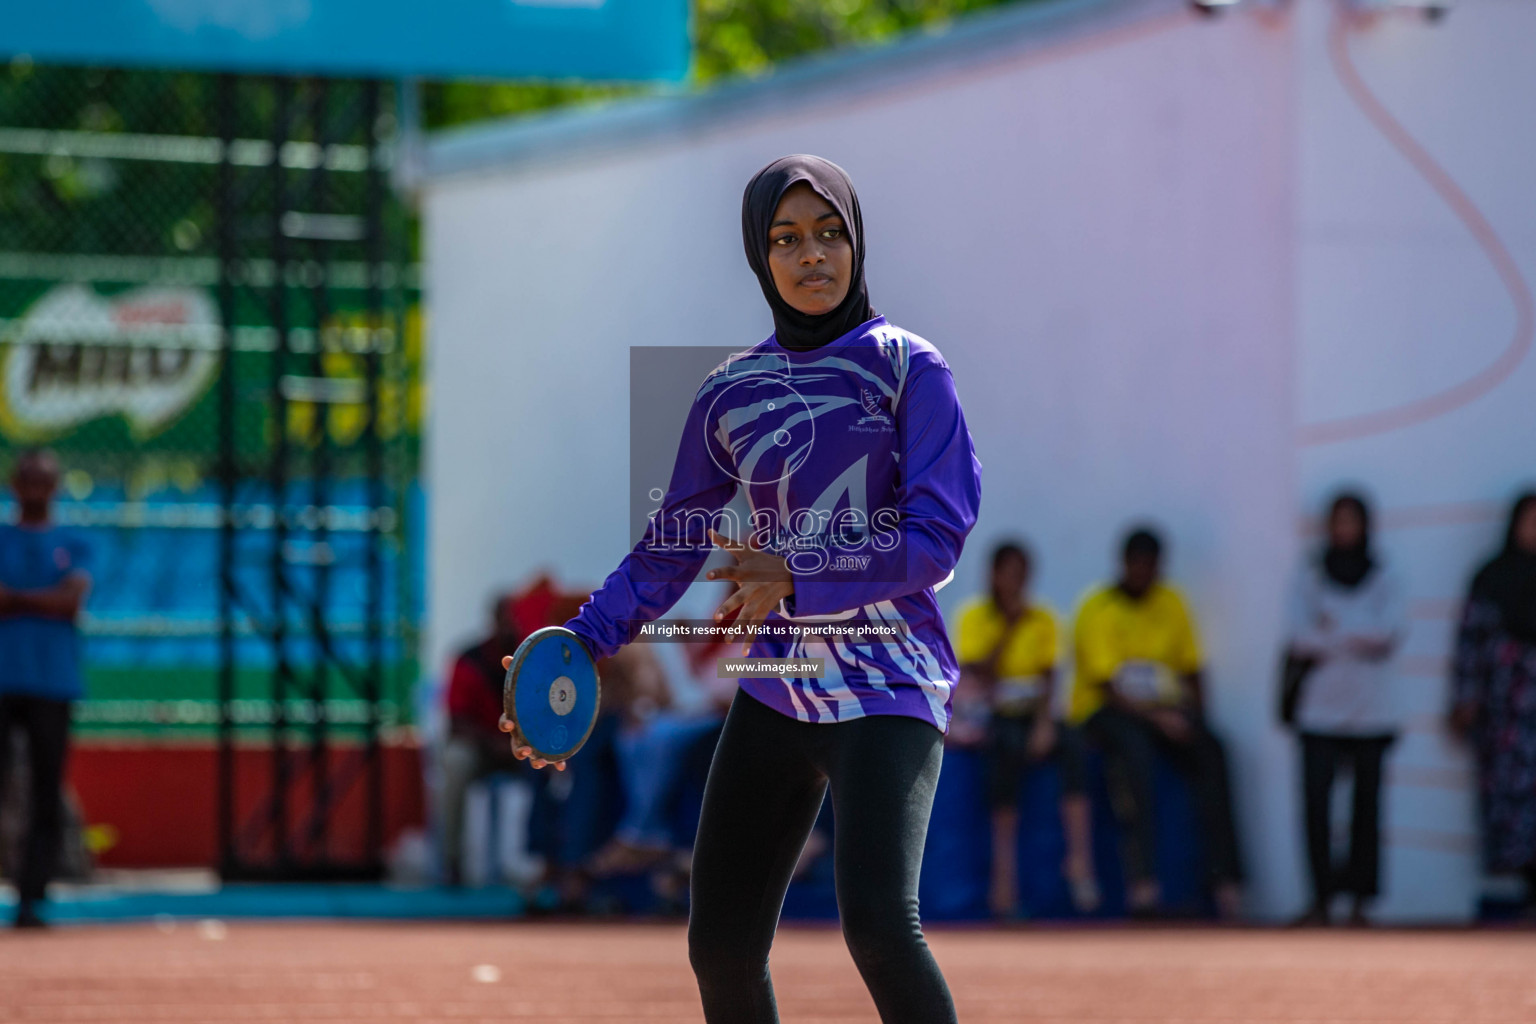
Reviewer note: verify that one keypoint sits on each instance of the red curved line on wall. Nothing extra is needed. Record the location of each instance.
(1428, 666)
(1410, 517)
(1428, 725)
(1433, 610)
(1421, 776)
(1420, 410)
(1453, 513)
(1432, 839)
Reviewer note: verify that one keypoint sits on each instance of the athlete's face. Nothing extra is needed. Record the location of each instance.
(809, 253)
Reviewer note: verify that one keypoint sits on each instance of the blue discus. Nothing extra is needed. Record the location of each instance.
(552, 692)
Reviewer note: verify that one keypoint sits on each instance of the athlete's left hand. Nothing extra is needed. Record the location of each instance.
(763, 580)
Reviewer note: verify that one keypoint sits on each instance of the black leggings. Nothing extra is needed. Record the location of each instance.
(765, 788)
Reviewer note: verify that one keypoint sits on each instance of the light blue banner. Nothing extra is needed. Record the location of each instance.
(591, 39)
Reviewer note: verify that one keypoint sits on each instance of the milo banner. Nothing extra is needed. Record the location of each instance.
(76, 356)
(123, 381)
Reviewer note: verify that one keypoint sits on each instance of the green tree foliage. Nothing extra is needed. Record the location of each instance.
(58, 202)
(731, 37)
(70, 198)
(750, 36)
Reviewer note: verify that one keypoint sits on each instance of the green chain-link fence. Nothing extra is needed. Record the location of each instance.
(118, 201)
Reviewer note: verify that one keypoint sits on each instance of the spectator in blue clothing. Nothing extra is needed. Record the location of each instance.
(43, 582)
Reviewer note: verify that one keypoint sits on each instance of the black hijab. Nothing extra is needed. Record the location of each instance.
(1509, 580)
(1348, 567)
(794, 329)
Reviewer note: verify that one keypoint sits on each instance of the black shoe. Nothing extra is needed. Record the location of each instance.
(27, 917)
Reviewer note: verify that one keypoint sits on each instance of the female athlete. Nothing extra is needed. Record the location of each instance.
(846, 435)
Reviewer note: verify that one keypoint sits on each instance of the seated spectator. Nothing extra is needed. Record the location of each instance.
(573, 809)
(1494, 697)
(631, 689)
(678, 702)
(1008, 648)
(476, 746)
(1346, 620)
(646, 762)
(1138, 691)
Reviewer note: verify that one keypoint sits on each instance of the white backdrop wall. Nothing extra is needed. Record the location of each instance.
(1414, 375)
(1123, 228)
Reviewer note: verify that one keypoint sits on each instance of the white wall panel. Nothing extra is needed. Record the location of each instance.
(1151, 255)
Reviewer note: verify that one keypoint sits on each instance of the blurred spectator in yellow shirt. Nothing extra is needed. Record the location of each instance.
(1137, 692)
(1008, 647)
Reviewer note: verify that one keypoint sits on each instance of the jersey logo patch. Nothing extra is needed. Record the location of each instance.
(870, 403)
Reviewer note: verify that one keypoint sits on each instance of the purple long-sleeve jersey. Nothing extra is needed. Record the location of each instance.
(857, 466)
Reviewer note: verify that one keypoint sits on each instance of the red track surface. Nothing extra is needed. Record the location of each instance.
(562, 974)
